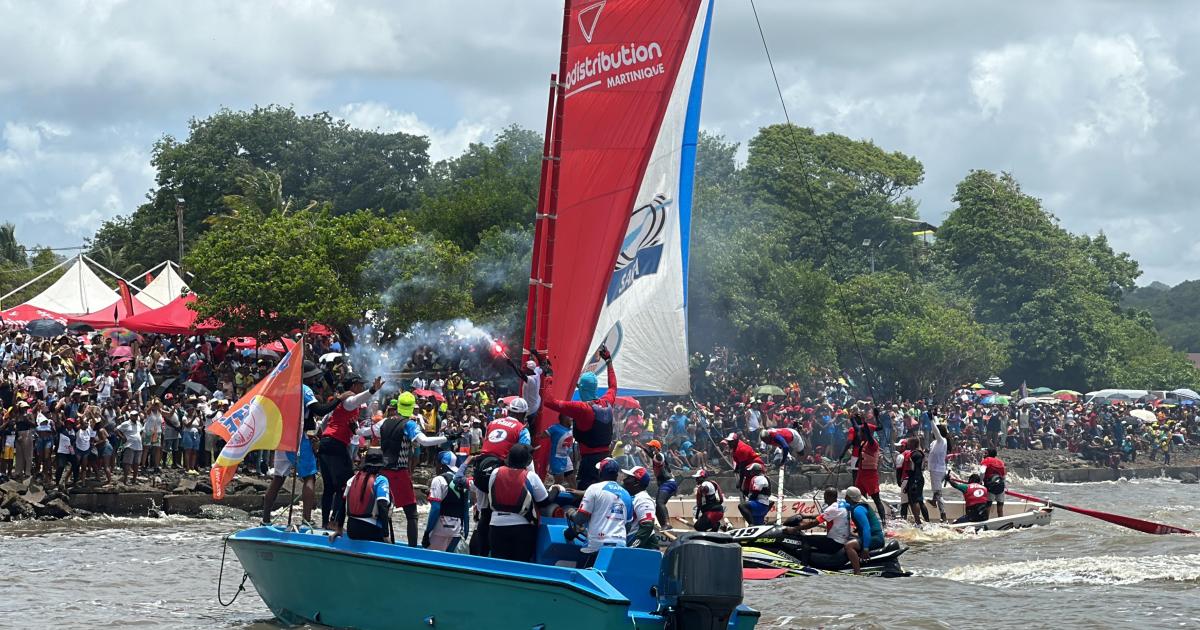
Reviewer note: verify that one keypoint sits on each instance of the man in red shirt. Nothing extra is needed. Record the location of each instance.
(593, 418)
(993, 478)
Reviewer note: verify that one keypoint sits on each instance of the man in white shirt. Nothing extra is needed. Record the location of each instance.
(131, 457)
(606, 511)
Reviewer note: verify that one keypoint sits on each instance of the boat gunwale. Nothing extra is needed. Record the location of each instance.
(575, 586)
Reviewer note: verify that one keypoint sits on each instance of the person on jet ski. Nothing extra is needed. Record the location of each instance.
(866, 521)
(836, 518)
(710, 502)
(975, 494)
(757, 490)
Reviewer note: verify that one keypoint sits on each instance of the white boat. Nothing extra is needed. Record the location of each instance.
(1017, 513)
(1039, 516)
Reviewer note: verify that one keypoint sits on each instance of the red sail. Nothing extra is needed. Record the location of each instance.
(623, 59)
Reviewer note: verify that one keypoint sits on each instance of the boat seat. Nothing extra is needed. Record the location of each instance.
(552, 546)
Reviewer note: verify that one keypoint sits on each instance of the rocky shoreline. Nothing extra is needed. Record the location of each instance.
(173, 492)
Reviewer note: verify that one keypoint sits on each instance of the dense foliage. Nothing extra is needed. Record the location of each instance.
(803, 256)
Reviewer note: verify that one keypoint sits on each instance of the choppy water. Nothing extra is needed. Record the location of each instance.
(1076, 573)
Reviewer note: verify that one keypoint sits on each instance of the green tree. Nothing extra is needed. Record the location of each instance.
(314, 157)
(911, 338)
(11, 252)
(487, 186)
(500, 268)
(270, 273)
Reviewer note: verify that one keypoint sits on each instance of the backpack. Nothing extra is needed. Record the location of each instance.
(995, 484)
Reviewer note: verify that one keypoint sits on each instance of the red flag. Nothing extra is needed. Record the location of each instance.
(126, 295)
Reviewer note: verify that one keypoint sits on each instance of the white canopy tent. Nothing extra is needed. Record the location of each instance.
(77, 292)
(164, 288)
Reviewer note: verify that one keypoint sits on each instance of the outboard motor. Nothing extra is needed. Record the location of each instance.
(700, 582)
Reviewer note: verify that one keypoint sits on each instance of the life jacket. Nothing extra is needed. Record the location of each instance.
(713, 502)
(601, 432)
(507, 492)
(394, 442)
(501, 435)
(361, 500)
(869, 458)
(454, 503)
(976, 494)
(340, 423)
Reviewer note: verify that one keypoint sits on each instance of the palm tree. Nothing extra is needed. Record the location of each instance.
(262, 192)
(10, 250)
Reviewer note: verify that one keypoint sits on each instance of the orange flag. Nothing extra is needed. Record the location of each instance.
(266, 418)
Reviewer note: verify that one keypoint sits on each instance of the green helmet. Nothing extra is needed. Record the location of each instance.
(405, 404)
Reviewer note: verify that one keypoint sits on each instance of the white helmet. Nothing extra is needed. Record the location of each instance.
(518, 405)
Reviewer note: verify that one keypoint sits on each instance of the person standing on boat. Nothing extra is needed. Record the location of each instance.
(642, 533)
(515, 494)
(912, 480)
(500, 437)
(606, 511)
(667, 486)
(334, 448)
(757, 490)
(938, 447)
(593, 418)
(994, 477)
(710, 502)
(866, 479)
(304, 460)
(364, 507)
(447, 506)
(396, 436)
(562, 441)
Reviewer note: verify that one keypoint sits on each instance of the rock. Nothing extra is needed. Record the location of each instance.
(56, 508)
(12, 487)
(222, 512)
(1188, 478)
(185, 486)
(37, 496)
(21, 508)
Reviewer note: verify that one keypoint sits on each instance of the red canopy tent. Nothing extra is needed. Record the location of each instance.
(173, 319)
(24, 313)
(109, 315)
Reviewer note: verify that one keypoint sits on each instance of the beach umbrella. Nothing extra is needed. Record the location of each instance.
(80, 327)
(1144, 414)
(121, 352)
(262, 353)
(428, 393)
(1001, 400)
(1185, 393)
(994, 382)
(31, 382)
(1039, 391)
(977, 386)
(1030, 401)
(1066, 394)
(987, 400)
(120, 335)
(985, 392)
(45, 328)
(769, 390)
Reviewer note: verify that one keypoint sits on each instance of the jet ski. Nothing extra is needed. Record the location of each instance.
(767, 547)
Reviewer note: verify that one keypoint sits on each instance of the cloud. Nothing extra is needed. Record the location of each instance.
(1087, 102)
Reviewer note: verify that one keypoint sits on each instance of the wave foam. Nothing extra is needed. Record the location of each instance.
(1086, 570)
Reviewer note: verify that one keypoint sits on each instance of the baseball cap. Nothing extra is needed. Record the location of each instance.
(447, 460)
(608, 465)
(853, 494)
(518, 405)
(732, 437)
(638, 472)
(654, 443)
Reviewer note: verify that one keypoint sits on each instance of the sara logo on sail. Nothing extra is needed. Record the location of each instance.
(642, 249)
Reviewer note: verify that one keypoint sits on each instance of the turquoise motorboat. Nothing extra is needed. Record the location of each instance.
(303, 578)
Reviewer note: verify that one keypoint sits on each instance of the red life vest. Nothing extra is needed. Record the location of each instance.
(975, 494)
(501, 435)
(340, 424)
(360, 501)
(869, 460)
(992, 466)
(508, 492)
(744, 455)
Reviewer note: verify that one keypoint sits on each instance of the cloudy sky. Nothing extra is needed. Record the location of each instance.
(1087, 102)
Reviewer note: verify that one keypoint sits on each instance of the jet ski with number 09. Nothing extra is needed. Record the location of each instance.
(767, 547)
